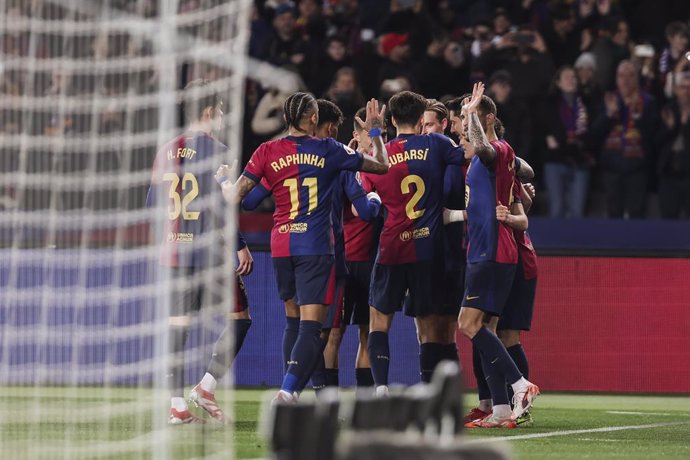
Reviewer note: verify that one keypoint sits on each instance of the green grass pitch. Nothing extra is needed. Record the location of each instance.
(60, 422)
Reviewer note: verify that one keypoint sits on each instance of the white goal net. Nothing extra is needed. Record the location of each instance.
(89, 91)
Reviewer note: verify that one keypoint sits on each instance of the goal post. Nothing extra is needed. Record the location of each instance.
(89, 91)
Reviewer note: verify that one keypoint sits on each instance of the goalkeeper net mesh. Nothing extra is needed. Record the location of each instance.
(89, 90)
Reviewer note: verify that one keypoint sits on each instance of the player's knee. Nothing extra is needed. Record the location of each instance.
(378, 321)
(469, 325)
(509, 337)
(291, 308)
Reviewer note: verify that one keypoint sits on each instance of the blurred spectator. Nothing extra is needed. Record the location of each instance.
(568, 161)
(644, 57)
(589, 89)
(347, 95)
(395, 50)
(609, 49)
(502, 22)
(673, 60)
(627, 131)
(333, 58)
(674, 158)
(561, 36)
(286, 48)
(443, 70)
(311, 23)
(514, 113)
(268, 121)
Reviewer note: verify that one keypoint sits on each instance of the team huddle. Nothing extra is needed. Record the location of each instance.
(416, 224)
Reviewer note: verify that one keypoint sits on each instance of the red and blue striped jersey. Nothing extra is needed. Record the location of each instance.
(301, 172)
(348, 190)
(412, 193)
(528, 256)
(486, 186)
(361, 236)
(183, 176)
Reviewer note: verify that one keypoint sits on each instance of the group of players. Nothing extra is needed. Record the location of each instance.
(452, 251)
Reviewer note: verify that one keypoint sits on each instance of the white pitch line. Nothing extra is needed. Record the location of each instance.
(665, 414)
(550, 434)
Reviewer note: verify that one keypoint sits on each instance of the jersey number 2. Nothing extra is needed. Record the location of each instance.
(179, 203)
(312, 184)
(420, 188)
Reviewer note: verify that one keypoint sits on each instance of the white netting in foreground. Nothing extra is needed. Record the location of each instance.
(89, 91)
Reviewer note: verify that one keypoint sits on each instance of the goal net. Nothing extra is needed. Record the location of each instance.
(89, 91)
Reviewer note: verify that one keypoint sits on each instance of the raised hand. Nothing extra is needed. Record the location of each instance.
(473, 103)
(374, 116)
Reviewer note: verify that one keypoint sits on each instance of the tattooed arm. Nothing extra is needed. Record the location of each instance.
(233, 193)
(523, 170)
(374, 120)
(482, 146)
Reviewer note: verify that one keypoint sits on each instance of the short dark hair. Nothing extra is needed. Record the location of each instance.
(197, 98)
(296, 106)
(441, 111)
(329, 113)
(455, 105)
(407, 107)
(676, 28)
(485, 107)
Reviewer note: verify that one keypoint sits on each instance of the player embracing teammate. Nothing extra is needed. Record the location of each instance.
(493, 212)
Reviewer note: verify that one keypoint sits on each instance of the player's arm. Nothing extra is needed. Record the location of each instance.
(374, 124)
(514, 217)
(367, 207)
(235, 190)
(255, 197)
(454, 215)
(475, 133)
(527, 196)
(523, 170)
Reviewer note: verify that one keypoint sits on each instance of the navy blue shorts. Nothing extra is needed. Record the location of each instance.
(334, 316)
(453, 290)
(487, 286)
(190, 290)
(517, 314)
(357, 286)
(307, 279)
(420, 281)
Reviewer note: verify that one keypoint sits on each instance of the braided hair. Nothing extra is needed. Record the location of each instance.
(296, 107)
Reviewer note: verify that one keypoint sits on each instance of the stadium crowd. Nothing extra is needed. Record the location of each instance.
(594, 93)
